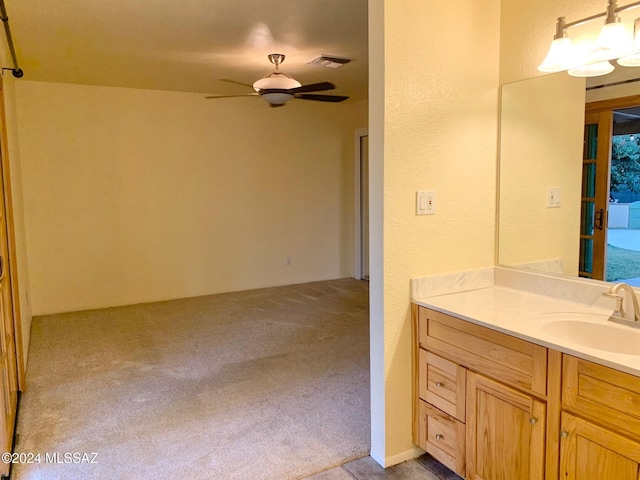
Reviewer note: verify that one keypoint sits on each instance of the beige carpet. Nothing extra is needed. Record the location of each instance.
(264, 384)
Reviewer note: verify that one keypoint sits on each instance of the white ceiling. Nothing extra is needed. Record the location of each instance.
(189, 45)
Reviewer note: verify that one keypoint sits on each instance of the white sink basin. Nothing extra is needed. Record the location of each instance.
(593, 331)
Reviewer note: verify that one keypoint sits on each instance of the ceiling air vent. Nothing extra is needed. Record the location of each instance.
(329, 61)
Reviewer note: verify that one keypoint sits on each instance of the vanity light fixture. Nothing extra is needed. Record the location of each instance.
(614, 42)
(560, 53)
(592, 69)
(633, 60)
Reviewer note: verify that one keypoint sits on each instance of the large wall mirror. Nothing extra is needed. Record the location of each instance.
(544, 209)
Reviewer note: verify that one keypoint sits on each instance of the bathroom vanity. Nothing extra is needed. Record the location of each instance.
(503, 390)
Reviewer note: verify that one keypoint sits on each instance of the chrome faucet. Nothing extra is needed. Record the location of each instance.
(618, 314)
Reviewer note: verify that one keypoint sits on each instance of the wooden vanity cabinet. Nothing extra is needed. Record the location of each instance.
(600, 430)
(489, 389)
(588, 450)
(494, 407)
(440, 429)
(440, 435)
(601, 394)
(505, 432)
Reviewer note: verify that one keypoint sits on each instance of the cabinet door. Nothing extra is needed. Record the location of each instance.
(505, 432)
(590, 451)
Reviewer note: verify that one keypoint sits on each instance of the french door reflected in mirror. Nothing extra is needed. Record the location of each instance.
(610, 208)
(595, 194)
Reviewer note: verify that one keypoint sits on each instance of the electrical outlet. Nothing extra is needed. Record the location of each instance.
(426, 202)
(287, 261)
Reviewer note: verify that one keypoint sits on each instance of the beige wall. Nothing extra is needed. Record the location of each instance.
(134, 196)
(434, 108)
(541, 146)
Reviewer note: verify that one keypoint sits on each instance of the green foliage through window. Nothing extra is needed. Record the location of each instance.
(625, 163)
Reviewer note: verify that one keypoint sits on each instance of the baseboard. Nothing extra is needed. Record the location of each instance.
(398, 458)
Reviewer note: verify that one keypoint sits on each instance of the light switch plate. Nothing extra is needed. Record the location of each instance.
(553, 197)
(426, 202)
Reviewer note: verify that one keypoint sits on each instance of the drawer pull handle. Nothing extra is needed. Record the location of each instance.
(564, 434)
(439, 384)
(439, 436)
(533, 421)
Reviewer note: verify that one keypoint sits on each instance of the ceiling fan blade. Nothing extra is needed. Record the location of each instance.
(232, 96)
(236, 82)
(313, 87)
(321, 98)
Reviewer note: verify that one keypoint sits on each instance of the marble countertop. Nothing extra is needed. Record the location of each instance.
(525, 306)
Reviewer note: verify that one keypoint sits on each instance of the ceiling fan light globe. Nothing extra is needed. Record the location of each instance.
(277, 98)
(276, 80)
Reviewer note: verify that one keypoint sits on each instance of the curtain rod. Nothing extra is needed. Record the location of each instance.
(17, 71)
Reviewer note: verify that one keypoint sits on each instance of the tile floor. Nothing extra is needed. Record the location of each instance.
(422, 468)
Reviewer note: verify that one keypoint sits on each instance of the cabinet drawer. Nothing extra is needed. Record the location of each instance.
(442, 436)
(602, 394)
(516, 362)
(442, 383)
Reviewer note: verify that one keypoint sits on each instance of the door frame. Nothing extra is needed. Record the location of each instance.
(600, 199)
(607, 107)
(359, 133)
(11, 240)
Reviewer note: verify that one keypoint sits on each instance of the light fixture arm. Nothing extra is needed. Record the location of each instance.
(612, 16)
(613, 43)
(561, 28)
(611, 12)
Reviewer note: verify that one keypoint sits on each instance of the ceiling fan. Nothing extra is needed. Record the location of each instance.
(278, 88)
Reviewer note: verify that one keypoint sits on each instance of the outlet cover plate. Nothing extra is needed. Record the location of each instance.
(426, 202)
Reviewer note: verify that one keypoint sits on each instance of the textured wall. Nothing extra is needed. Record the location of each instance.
(135, 195)
(541, 147)
(434, 100)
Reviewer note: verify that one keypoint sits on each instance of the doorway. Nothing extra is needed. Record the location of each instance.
(11, 359)
(362, 203)
(610, 214)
